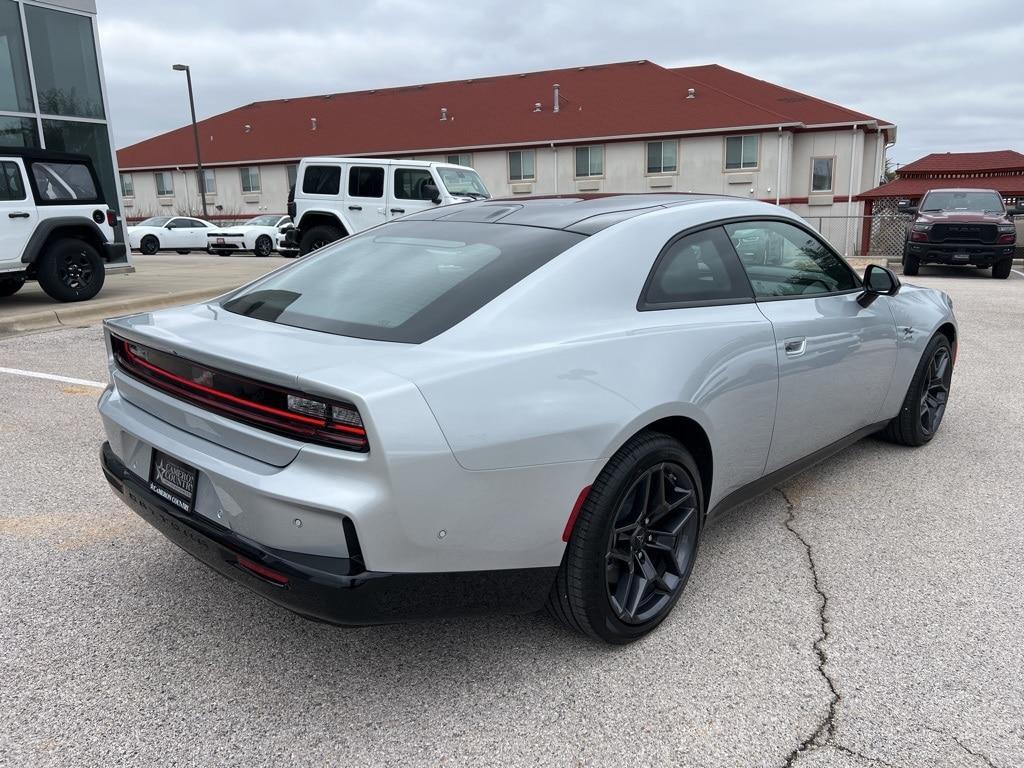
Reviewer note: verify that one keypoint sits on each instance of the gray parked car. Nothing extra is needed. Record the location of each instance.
(504, 405)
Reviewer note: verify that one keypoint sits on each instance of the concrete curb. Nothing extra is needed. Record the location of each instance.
(91, 312)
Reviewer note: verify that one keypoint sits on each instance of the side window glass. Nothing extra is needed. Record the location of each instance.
(784, 260)
(11, 185)
(321, 180)
(414, 184)
(697, 267)
(365, 181)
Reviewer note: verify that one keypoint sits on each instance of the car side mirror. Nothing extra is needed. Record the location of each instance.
(169, 226)
(1017, 211)
(878, 281)
(435, 197)
(904, 206)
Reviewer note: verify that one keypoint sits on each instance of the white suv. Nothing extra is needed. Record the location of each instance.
(338, 196)
(54, 225)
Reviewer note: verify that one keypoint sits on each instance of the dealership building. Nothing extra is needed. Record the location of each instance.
(624, 127)
(52, 92)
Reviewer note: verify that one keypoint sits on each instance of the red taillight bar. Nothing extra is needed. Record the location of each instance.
(289, 423)
(262, 571)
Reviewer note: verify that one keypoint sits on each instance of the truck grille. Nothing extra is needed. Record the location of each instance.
(964, 233)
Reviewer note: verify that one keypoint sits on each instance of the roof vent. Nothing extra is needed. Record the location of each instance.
(691, 93)
(312, 123)
(247, 128)
(557, 86)
(537, 107)
(444, 113)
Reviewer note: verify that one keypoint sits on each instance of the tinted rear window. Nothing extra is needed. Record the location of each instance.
(322, 180)
(406, 281)
(64, 181)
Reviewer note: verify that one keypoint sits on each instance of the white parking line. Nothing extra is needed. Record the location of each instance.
(54, 377)
(1017, 272)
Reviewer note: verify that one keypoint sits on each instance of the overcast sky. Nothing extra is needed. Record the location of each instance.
(950, 74)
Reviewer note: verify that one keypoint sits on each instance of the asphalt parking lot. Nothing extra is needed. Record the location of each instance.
(871, 611)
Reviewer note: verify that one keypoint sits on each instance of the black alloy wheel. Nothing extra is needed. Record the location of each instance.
(633, 543)
(927, 397)
(651, 545)
(935, 392)
(264, 246)
(71, 270)
(149, 245)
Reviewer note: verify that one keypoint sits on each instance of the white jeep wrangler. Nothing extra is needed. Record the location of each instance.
(335, 197)
(54, 225)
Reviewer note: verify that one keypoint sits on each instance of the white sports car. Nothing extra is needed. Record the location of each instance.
(258, 235)
(509, 404)
(169, 233)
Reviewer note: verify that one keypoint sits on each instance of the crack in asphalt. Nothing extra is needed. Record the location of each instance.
(964, 747)
(824, 734)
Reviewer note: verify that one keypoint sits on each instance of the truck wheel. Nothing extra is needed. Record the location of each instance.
(11, 285)
(317, 237)
(1001, 269)
(149, 245)
(71, 270)
(910, 264)
(182, 251)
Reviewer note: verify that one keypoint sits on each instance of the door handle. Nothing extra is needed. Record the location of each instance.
(18, 215)
(795, 347)
(398, 210)
(355, 207)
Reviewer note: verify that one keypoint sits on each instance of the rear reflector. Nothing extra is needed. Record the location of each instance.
(292, 414)
(571, 522)
(262, 571)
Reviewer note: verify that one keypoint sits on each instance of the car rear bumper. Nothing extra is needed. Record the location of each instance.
(960, 253)
(336, 590)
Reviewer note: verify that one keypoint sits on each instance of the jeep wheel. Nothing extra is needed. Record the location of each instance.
(317, 237)
(182, 251)
(149, 245)
(70, 270)
(11, 285)
(1001, 269)
(910, 264)
(264, 246)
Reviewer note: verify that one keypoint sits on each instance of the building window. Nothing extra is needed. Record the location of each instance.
(250, 179)
(661, 156)
(464, 159)
(15, 86)
(17, 131)
(821, 174)
(741, 152)
(521, 165)
(64, 62)
(293, 174)
(127, 185)
(589, 161)
(85, 139)
(164, 183)
(209, 181)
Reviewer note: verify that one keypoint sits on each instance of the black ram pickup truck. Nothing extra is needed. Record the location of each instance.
(961, 226)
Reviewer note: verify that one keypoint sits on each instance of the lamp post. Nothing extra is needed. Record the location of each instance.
(195, 134)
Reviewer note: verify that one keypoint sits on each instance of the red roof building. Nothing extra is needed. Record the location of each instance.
(1002, 171)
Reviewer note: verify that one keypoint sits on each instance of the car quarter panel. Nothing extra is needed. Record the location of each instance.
(606, 370)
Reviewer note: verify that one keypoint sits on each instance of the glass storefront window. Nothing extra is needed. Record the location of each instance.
(15, 87)
(64, 62)
(18, 132)
(86, 139)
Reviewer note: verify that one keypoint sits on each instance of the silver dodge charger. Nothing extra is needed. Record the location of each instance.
(511, 405)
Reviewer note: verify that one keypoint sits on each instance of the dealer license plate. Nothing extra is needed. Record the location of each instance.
(173, 480)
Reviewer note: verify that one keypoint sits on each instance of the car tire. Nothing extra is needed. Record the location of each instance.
(182, 251)
(223, 253)
(149, 245)
(317, 237)
(263, 246)
(621, 575)
(1001, 269)
(911, 264)
(11, 285)
(70, 270)
(927, 396)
